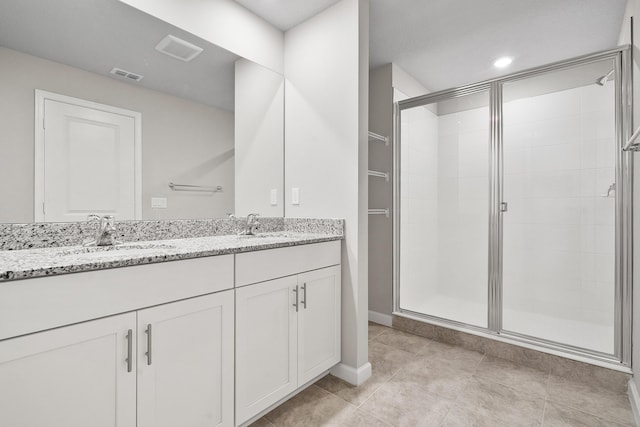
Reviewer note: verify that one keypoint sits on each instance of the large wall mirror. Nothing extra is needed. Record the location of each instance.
(212, 125)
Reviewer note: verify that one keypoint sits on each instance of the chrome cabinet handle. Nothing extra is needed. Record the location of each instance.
(296, 303)
(148, 353)
(129, 350)
(304, 296)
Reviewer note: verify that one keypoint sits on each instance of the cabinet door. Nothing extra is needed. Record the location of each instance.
(185, 363)
(318, 322)
(266, 345)
(71, 376)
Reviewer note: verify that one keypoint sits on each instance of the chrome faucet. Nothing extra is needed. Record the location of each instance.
(251, 227)
(106, 233)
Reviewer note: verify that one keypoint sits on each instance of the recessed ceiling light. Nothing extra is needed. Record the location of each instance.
(505, 61)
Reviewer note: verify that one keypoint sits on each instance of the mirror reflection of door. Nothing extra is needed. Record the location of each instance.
(87, 160)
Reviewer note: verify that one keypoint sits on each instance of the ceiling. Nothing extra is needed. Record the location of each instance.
(449, 43)
(286, 14)
(98, 35)
(442, 43)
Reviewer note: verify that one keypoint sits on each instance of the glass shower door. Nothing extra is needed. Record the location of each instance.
(444, 205)
(559, 181)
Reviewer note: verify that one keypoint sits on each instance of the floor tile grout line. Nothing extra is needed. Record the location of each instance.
(584, 411)
(335, 395)
(544, 412)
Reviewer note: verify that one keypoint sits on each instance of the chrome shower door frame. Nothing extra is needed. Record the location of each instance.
(623, 210)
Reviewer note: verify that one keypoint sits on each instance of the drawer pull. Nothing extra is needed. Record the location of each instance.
(148, 353)
(296, 303)
(304, 296)
(129, 350)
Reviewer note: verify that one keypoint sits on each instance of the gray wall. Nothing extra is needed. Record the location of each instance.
(382, 82)
(182, 141)
(380, 195)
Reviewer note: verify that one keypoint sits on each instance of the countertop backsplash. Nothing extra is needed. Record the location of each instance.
(57, 234)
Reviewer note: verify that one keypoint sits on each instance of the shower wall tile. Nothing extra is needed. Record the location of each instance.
(471, 120)
(595, 98)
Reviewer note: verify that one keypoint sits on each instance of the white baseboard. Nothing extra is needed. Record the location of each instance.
(352, 375)
(634, 398)
(379, 318)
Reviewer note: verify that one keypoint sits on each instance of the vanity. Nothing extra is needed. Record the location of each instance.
(211, 330)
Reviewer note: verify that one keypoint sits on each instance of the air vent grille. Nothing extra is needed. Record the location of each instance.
(126, 74)
(178, 48)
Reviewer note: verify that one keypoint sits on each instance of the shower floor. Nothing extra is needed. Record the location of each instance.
(592, 336)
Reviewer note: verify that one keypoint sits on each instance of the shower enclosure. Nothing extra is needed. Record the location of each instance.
(513, 207)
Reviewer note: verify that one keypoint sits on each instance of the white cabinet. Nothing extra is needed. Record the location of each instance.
(80, 375)
(287, 333)
(185, 363)
(72, 376)
(266, 345)
(172, 357)
(318, 322)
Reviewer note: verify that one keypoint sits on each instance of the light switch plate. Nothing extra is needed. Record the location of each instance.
(274, 197)
(295, 196)
(159, 203)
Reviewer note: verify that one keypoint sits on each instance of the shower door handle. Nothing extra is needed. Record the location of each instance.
(504, 206)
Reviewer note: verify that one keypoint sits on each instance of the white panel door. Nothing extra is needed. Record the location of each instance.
(266, 345)
(318, 322)
(89, 163)
(75, 376)
(185, 363)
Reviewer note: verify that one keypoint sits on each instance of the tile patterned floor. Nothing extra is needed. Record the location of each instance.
(420, 382)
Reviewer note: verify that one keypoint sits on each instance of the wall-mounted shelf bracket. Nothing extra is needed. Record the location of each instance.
(384, 212)
(379, 174)
(378, 138)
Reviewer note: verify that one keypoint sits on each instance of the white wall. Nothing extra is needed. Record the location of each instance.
(259, 140)
(559, 251)
(326, 149)
(463, 209)
(224, 23)
(182, 141)
(444, 213)
(418, 207)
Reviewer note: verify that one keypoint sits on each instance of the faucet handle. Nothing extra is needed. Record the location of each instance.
(108, 223)
(93, 217)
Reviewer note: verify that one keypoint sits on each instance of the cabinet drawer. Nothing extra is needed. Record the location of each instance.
(259, 266)
(33, 305)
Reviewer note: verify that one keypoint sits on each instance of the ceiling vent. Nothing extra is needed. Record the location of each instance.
(126, 74)
(178, 48)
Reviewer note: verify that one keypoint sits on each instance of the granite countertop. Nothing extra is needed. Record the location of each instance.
(28, 263)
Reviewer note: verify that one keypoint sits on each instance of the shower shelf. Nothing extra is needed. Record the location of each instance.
(384, 212)
(379, 174)
(378, 138)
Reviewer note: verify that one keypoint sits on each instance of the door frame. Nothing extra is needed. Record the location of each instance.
(38, 187)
